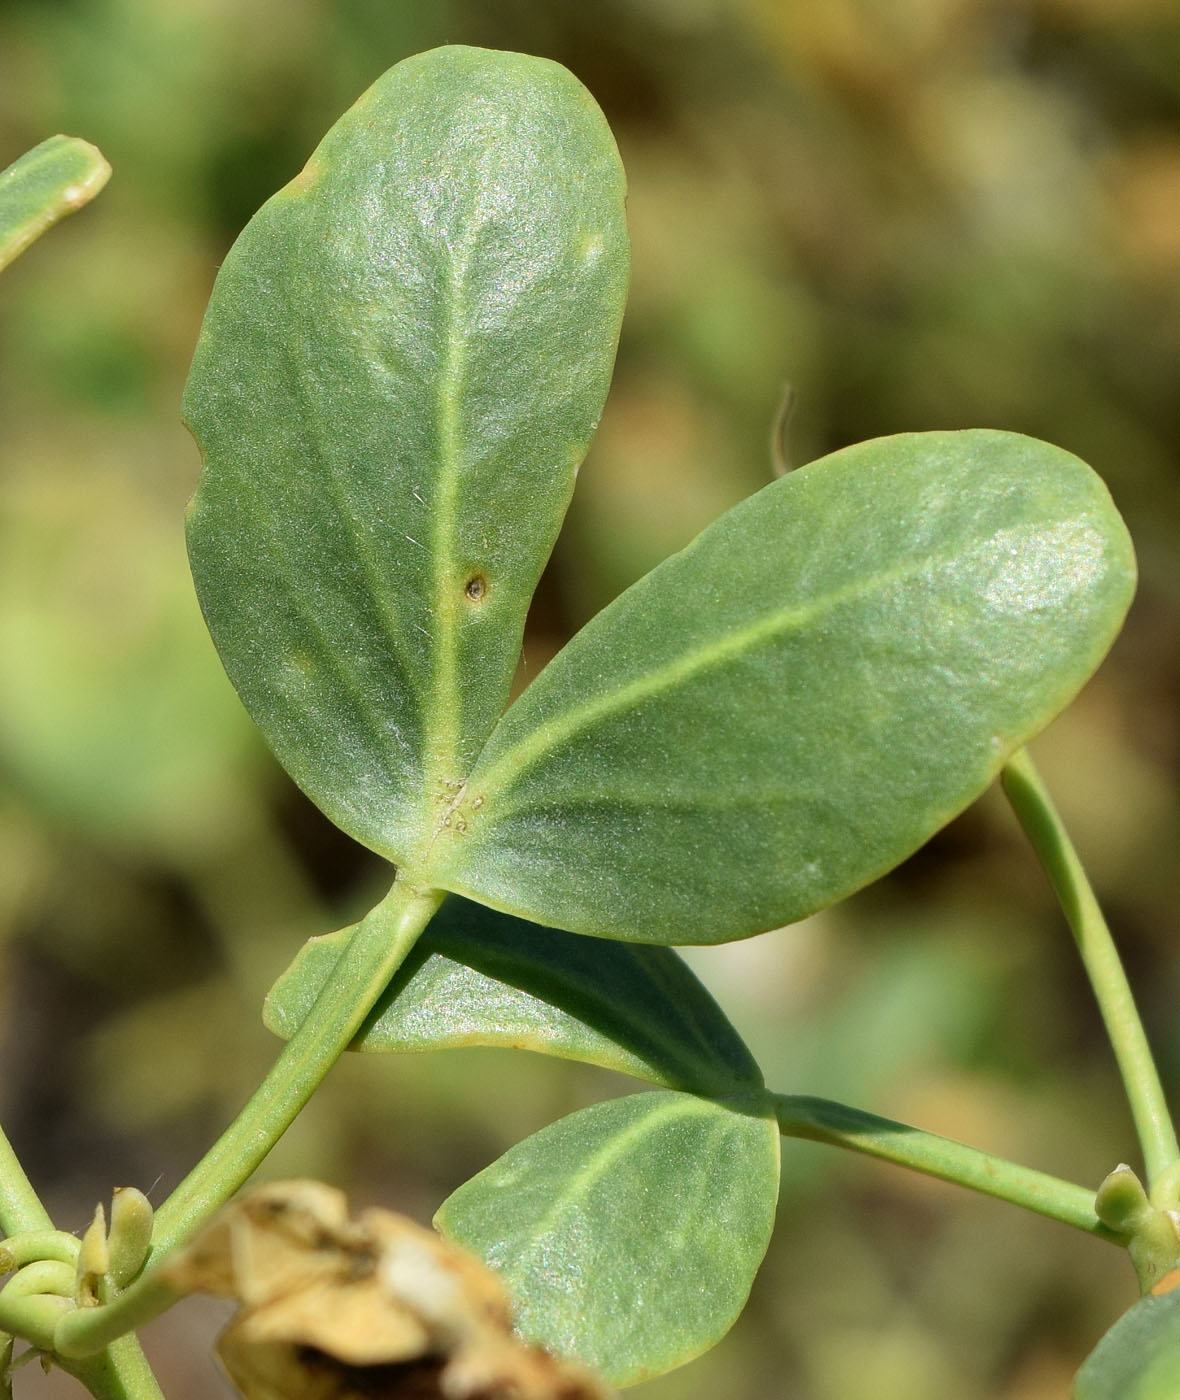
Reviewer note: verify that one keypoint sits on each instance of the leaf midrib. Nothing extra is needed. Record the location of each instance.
(548, 736)
(590, 1173)
(442, 726)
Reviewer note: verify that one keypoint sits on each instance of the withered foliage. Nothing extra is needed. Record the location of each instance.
(372, 1307)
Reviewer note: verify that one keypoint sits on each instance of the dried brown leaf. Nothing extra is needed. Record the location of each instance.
(364, 1308)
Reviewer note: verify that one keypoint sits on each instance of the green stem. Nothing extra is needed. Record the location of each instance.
(1042, 824)
(821, 1120)
(41, 1278)
(377, 949)
(31, 1245)
(20, 1206)
(120, 1372)
(86, 1331)
(34, 1317)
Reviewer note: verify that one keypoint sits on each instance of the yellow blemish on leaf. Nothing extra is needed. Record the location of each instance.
(1167, 1284)
(307, 179)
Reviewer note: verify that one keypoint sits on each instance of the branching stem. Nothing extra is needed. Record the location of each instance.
(86, 1331)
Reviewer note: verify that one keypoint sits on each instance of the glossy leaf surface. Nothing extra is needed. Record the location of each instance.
(1139, 1358)
(798, 700)
(629, 1233)
(404, 358)
(481, 978)
(44, 185)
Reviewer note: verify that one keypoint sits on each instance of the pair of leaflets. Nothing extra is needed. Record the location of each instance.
(404, 358)
(629, 1232)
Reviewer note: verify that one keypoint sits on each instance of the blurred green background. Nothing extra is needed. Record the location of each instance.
(919, 214)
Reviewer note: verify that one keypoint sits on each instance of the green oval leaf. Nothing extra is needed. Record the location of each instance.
(797, 701)
(477, 977)
(1139, 1358)
(52, 180)
(629, 1233)
(404, 358)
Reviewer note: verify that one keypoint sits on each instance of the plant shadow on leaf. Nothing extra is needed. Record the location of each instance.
(478, 977)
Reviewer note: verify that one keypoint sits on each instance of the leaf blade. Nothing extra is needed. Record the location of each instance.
(1139, 1357)
(797, 701)
(55, 178)
(403, 361)
(630, 1232)
(481, 978)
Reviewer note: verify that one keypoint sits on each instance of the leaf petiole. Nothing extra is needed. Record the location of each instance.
(20, 1206)
(378, 947)
(1038, 816)
(822, 1120)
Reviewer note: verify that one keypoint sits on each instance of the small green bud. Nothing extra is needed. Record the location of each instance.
(93, 1259)
(131, 1234)
(1121, 1202)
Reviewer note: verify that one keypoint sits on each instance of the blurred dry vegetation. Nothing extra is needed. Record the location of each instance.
(919, 214)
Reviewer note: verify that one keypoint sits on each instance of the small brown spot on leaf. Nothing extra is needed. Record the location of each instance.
(477, 588)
